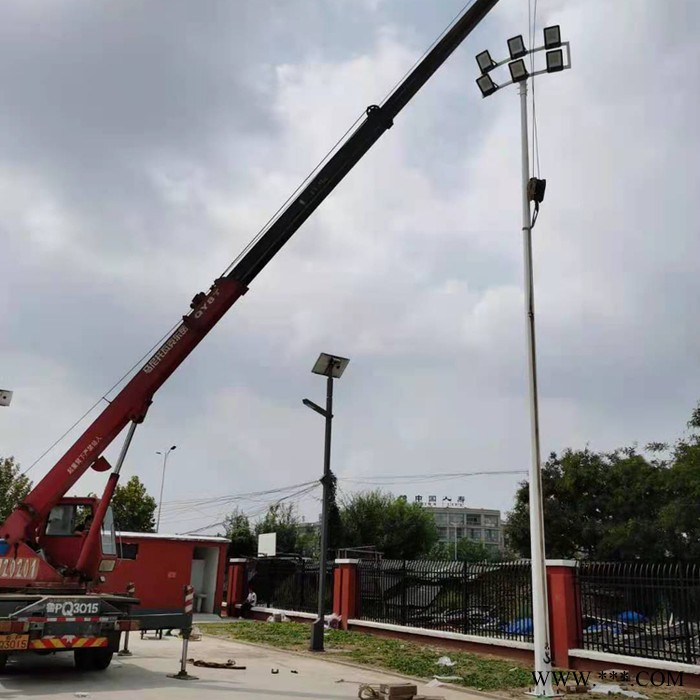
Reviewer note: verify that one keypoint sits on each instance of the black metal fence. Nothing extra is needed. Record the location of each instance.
(289, 584)
(645, 610)
(489, 599)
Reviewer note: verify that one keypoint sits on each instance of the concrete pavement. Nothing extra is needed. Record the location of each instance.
(144, 675)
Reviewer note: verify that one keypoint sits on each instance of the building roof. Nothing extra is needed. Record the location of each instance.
(162, 536)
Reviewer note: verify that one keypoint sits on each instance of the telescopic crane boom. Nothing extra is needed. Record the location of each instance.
(132, 402)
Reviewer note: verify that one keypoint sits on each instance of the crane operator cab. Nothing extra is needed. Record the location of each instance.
(65, 533)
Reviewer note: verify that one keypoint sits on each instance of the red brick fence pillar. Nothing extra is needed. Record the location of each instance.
(564, 608)
(236, 585)
(345, 590)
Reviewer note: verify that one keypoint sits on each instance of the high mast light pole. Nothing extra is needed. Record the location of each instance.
(532, 191)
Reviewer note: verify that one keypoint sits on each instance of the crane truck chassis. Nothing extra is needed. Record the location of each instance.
(54, 549)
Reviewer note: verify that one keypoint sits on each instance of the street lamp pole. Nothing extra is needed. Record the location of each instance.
(332, 367)
(162, 483)
(540, 621)
(532, 190)
(319, 624)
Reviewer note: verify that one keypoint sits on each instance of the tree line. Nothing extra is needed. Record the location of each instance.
(133, 508)
(623, 504)
(396, 528)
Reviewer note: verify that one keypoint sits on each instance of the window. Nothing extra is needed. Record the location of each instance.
(473, 519)
(456, 519)
(68, 519)
(475, 533)
(109, 546)
(491, 520)
(440, 519)
(127, 550)
(492, 535)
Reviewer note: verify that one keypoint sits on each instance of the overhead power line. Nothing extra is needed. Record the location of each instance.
(221, 523)
(423, 478)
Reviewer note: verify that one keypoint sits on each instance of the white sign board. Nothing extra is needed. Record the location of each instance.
(267, 544)
(5, 397)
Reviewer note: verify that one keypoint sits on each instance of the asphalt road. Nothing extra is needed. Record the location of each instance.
(145, 675)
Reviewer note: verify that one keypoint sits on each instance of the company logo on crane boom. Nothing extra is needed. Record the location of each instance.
(169, 344)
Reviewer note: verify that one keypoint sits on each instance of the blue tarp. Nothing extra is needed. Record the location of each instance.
(522, 626)
(631, 616)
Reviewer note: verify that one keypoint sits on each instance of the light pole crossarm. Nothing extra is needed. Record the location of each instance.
(498, 64)
(315, 407)
(495, 87)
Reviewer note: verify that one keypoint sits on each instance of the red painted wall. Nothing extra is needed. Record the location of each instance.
(160, 571)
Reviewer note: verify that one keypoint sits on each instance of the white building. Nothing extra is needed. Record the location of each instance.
(455, 521)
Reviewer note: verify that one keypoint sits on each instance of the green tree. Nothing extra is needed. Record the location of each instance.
(398, 529)
(14, 486)
(133, 507)
(680, 516)
(467, 550)
(238, 530)
(308, 542)
(619, 505)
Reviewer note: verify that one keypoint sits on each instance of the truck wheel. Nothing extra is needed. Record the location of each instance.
(102, 659)
(83, 659)
(92, 659)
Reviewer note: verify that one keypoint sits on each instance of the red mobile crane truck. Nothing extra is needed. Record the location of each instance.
(54, 549)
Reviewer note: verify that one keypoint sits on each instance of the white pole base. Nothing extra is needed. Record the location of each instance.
(545, 694)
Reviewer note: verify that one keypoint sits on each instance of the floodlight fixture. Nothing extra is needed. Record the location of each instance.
(518, 71)
(330, 365)
(516, 46)
(486, 85)
(485, 62)
(552, 37)
(555, 61)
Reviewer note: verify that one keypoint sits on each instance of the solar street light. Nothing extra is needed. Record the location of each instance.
(332, 367)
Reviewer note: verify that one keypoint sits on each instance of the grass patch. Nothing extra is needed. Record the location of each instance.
(409, 658)
(486, 673)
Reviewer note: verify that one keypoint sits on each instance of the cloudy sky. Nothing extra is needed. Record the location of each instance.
(143, 144)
